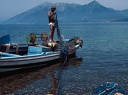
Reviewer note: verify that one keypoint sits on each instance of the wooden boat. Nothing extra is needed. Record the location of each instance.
(20, 56)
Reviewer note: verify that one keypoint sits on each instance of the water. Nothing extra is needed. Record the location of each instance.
(104, 58)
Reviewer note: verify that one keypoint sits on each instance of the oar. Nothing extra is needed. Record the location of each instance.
(58, 29)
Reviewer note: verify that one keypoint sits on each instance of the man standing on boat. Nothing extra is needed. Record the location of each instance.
(52, 19)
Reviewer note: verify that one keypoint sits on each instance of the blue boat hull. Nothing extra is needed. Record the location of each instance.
(25, 56)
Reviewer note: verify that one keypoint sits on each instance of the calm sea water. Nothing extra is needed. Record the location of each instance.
(103, 58)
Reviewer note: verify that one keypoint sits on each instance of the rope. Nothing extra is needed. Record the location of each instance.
(64, 55)
(59, 92)
(58, 89)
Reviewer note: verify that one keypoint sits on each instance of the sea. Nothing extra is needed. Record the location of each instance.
(102, 58)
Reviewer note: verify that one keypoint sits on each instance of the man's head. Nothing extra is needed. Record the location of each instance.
(53, 8)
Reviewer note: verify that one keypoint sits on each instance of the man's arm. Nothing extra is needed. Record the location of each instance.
(51, 13)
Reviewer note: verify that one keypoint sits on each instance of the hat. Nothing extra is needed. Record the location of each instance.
(53, 7)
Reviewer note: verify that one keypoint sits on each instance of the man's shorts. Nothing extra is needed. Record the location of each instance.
(52, 23)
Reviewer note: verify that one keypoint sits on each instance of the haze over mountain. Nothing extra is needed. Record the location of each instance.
(92, 12)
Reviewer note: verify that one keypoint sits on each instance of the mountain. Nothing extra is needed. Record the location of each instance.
(35, 15)
(125, 12)
(69, 13)
(97, 12)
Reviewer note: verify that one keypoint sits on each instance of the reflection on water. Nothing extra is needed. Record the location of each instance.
(23, 82)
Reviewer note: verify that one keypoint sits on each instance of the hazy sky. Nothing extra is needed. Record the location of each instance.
(10, 8)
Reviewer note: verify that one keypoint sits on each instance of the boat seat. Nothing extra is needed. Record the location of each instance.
(5, 44)
(34, 50)
(37, 50)
(5, 39)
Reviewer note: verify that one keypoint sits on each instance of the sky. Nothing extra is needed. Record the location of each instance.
(10, 8)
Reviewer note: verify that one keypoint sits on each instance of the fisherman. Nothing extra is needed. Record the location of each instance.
(52, 19)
